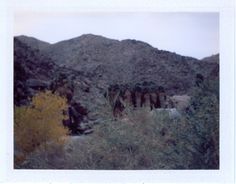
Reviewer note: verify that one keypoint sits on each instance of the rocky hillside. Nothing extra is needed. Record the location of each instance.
(34, 72)
(84, 68)
(109, 61)
(33, 42)
(212, 59)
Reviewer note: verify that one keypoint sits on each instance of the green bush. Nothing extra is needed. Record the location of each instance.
(203, 128)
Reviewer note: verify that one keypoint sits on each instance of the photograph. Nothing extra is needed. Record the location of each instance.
(116, 90)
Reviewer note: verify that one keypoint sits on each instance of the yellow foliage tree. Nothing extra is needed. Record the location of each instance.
(40, 123)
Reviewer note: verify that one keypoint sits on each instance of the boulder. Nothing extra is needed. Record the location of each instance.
(180, 102)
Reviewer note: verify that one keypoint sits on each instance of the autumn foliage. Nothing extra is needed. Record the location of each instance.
(40, 122)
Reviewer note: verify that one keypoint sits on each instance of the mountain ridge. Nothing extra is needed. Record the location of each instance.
(128, 61)
(90, 35)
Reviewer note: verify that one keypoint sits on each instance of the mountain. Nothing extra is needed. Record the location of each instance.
(145, 100)
(212, 59)
(35, 71)
(33, 42)
(84, 68)
(109, 61)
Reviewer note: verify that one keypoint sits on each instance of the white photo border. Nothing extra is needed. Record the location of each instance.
(225, 174)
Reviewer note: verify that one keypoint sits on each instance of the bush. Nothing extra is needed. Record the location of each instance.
(203, 127)
(140, 140)
(144, 139)
(153, 140)
(38, 124)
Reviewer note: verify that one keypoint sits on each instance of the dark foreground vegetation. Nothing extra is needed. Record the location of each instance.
(140, 139)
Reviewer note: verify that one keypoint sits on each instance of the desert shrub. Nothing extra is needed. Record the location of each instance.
(151, 140)
(144, 139)
(140, 140)
(203, 125)
(39, 123)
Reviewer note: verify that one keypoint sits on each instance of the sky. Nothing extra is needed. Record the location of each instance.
(189, 34)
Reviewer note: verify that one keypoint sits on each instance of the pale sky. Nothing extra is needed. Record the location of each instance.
(189, 34)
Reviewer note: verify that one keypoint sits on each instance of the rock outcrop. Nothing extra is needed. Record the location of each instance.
(145, 95)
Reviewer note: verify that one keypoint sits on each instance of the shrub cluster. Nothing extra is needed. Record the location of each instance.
(144, 139)
(38, 124)
(203, 127)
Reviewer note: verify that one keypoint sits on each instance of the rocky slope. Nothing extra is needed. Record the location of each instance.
(212, 59)
(88, 65)
(34, 72)
(109, 61)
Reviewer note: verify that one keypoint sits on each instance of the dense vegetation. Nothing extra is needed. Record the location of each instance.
(203, 131)
(38, 124)
(145, 139)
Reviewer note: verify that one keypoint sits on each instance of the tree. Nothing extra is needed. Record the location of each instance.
(40, 123)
